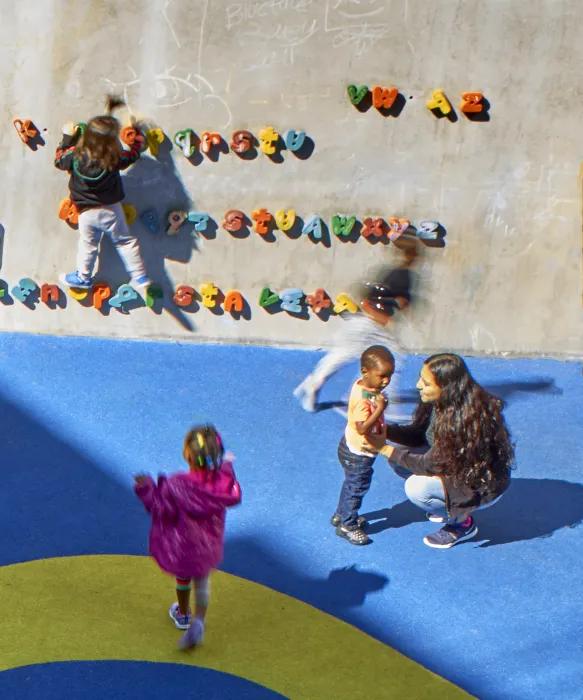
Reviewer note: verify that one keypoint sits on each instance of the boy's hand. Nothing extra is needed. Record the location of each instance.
(140, 479)
(381, 401)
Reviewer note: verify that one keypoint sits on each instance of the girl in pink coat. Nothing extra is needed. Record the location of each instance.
(188, 524)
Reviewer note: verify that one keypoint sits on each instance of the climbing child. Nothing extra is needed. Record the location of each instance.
(377, 323)
(188, 524)
(365, 434)
(94, 156)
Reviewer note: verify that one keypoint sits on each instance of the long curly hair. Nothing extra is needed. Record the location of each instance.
(99, 142)
(471, 439)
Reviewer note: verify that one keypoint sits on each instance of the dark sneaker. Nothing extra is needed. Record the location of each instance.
(451, 535)
(357, 537)
(335, 521)
(194, 635)
(181, 621)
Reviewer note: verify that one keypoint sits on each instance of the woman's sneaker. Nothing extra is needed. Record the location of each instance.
(181, 621)
(451, 535)
(193, 636)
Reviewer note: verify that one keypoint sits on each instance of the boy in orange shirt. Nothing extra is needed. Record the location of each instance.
(358, 448)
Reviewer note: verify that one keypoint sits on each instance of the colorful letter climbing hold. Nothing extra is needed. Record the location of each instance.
(183, 295)
(125, 293)
(345, 303)
(313, 226)
(25, 129)
(241, 141)
(78, 294)
(267, 297)
(285, 220)
(343, 225)
(199, 219)
(49, 292)
(128, 135)
(155, 137)
(384, 98)
(318, 301)
(290, 300)
(24, 289)
(428, 230)
(357, 94)
(153, 292)
(233, 220)
(208, 291)
(233, 301)
(130, 213)
(268, 138)
(151, 220)
(439, 101)
(372, 227)
(68, 212)
(101, 292)
(294, 140)
(471, 102)
(175, 221)
(208, 140)
(261, 217)
(185, 141)
(398, 227)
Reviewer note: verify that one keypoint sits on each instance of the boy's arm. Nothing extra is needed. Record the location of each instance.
(364, 420)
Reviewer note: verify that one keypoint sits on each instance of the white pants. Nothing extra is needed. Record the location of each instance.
(93, 223)
(358, 333)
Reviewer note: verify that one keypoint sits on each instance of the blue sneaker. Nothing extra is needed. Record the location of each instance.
(142, 282)
(74, 279)
(181, 621)
(194, 635)
(450, 535)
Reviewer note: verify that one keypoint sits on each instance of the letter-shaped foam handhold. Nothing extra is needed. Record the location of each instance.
(101, 292)
(268, 138)
(199, 219)
(130, 213)
(68, 211)
(208, 291)
(471, 102)
(78, 294)
(185, 141)
(313, 226)
(261, 217)
(208, 140)
(128, 135)
(25, 129)
(151, 220)
(428, 230)
(154, 138)
(318, 301)
(357, 94)
(241, 141)
(49, 293)
(233, 220)
(153, 292)
(183, 295)
(125, 293)
(285, 220)
(398, 227)
(24, 289)
(233, 301)
(384, 98)
(439, 101)
(343, 225)
(345, 303)
(372, 227)
(175, 221)
(294, 140)
(267, 297)
(290, 300)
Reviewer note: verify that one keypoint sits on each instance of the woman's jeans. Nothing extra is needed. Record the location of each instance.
(427, 493)
(358, 473)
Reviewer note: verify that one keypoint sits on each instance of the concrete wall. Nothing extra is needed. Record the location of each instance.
(506, 190)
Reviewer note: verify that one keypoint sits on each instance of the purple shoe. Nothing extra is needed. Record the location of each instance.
(181, 621)
(194, 635)
(450, 535)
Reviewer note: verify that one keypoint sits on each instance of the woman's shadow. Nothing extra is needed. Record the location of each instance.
(530, 509)
(154, 184)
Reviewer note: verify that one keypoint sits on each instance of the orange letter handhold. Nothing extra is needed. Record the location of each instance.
(233, 301)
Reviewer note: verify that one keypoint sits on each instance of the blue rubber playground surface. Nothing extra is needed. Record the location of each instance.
(500, 616)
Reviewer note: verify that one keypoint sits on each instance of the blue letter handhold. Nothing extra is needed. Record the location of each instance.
(313, 226)
(151, 220)
(23, 289)
(294, 140)
(199, 219)
(125, 293)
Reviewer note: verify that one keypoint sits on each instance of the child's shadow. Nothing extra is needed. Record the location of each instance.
(154, 183)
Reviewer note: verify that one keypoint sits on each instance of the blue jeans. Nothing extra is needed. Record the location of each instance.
(358, 473)
(427, 493)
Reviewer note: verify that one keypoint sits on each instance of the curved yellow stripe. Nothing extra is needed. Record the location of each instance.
(116, 607)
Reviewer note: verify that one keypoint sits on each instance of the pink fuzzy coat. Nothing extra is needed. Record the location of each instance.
(188, 519)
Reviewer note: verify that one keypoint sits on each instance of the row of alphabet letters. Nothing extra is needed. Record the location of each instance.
(242, 141)
(294, 301)
(384, 98)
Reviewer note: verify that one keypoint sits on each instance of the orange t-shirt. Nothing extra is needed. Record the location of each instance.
(361, 404)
